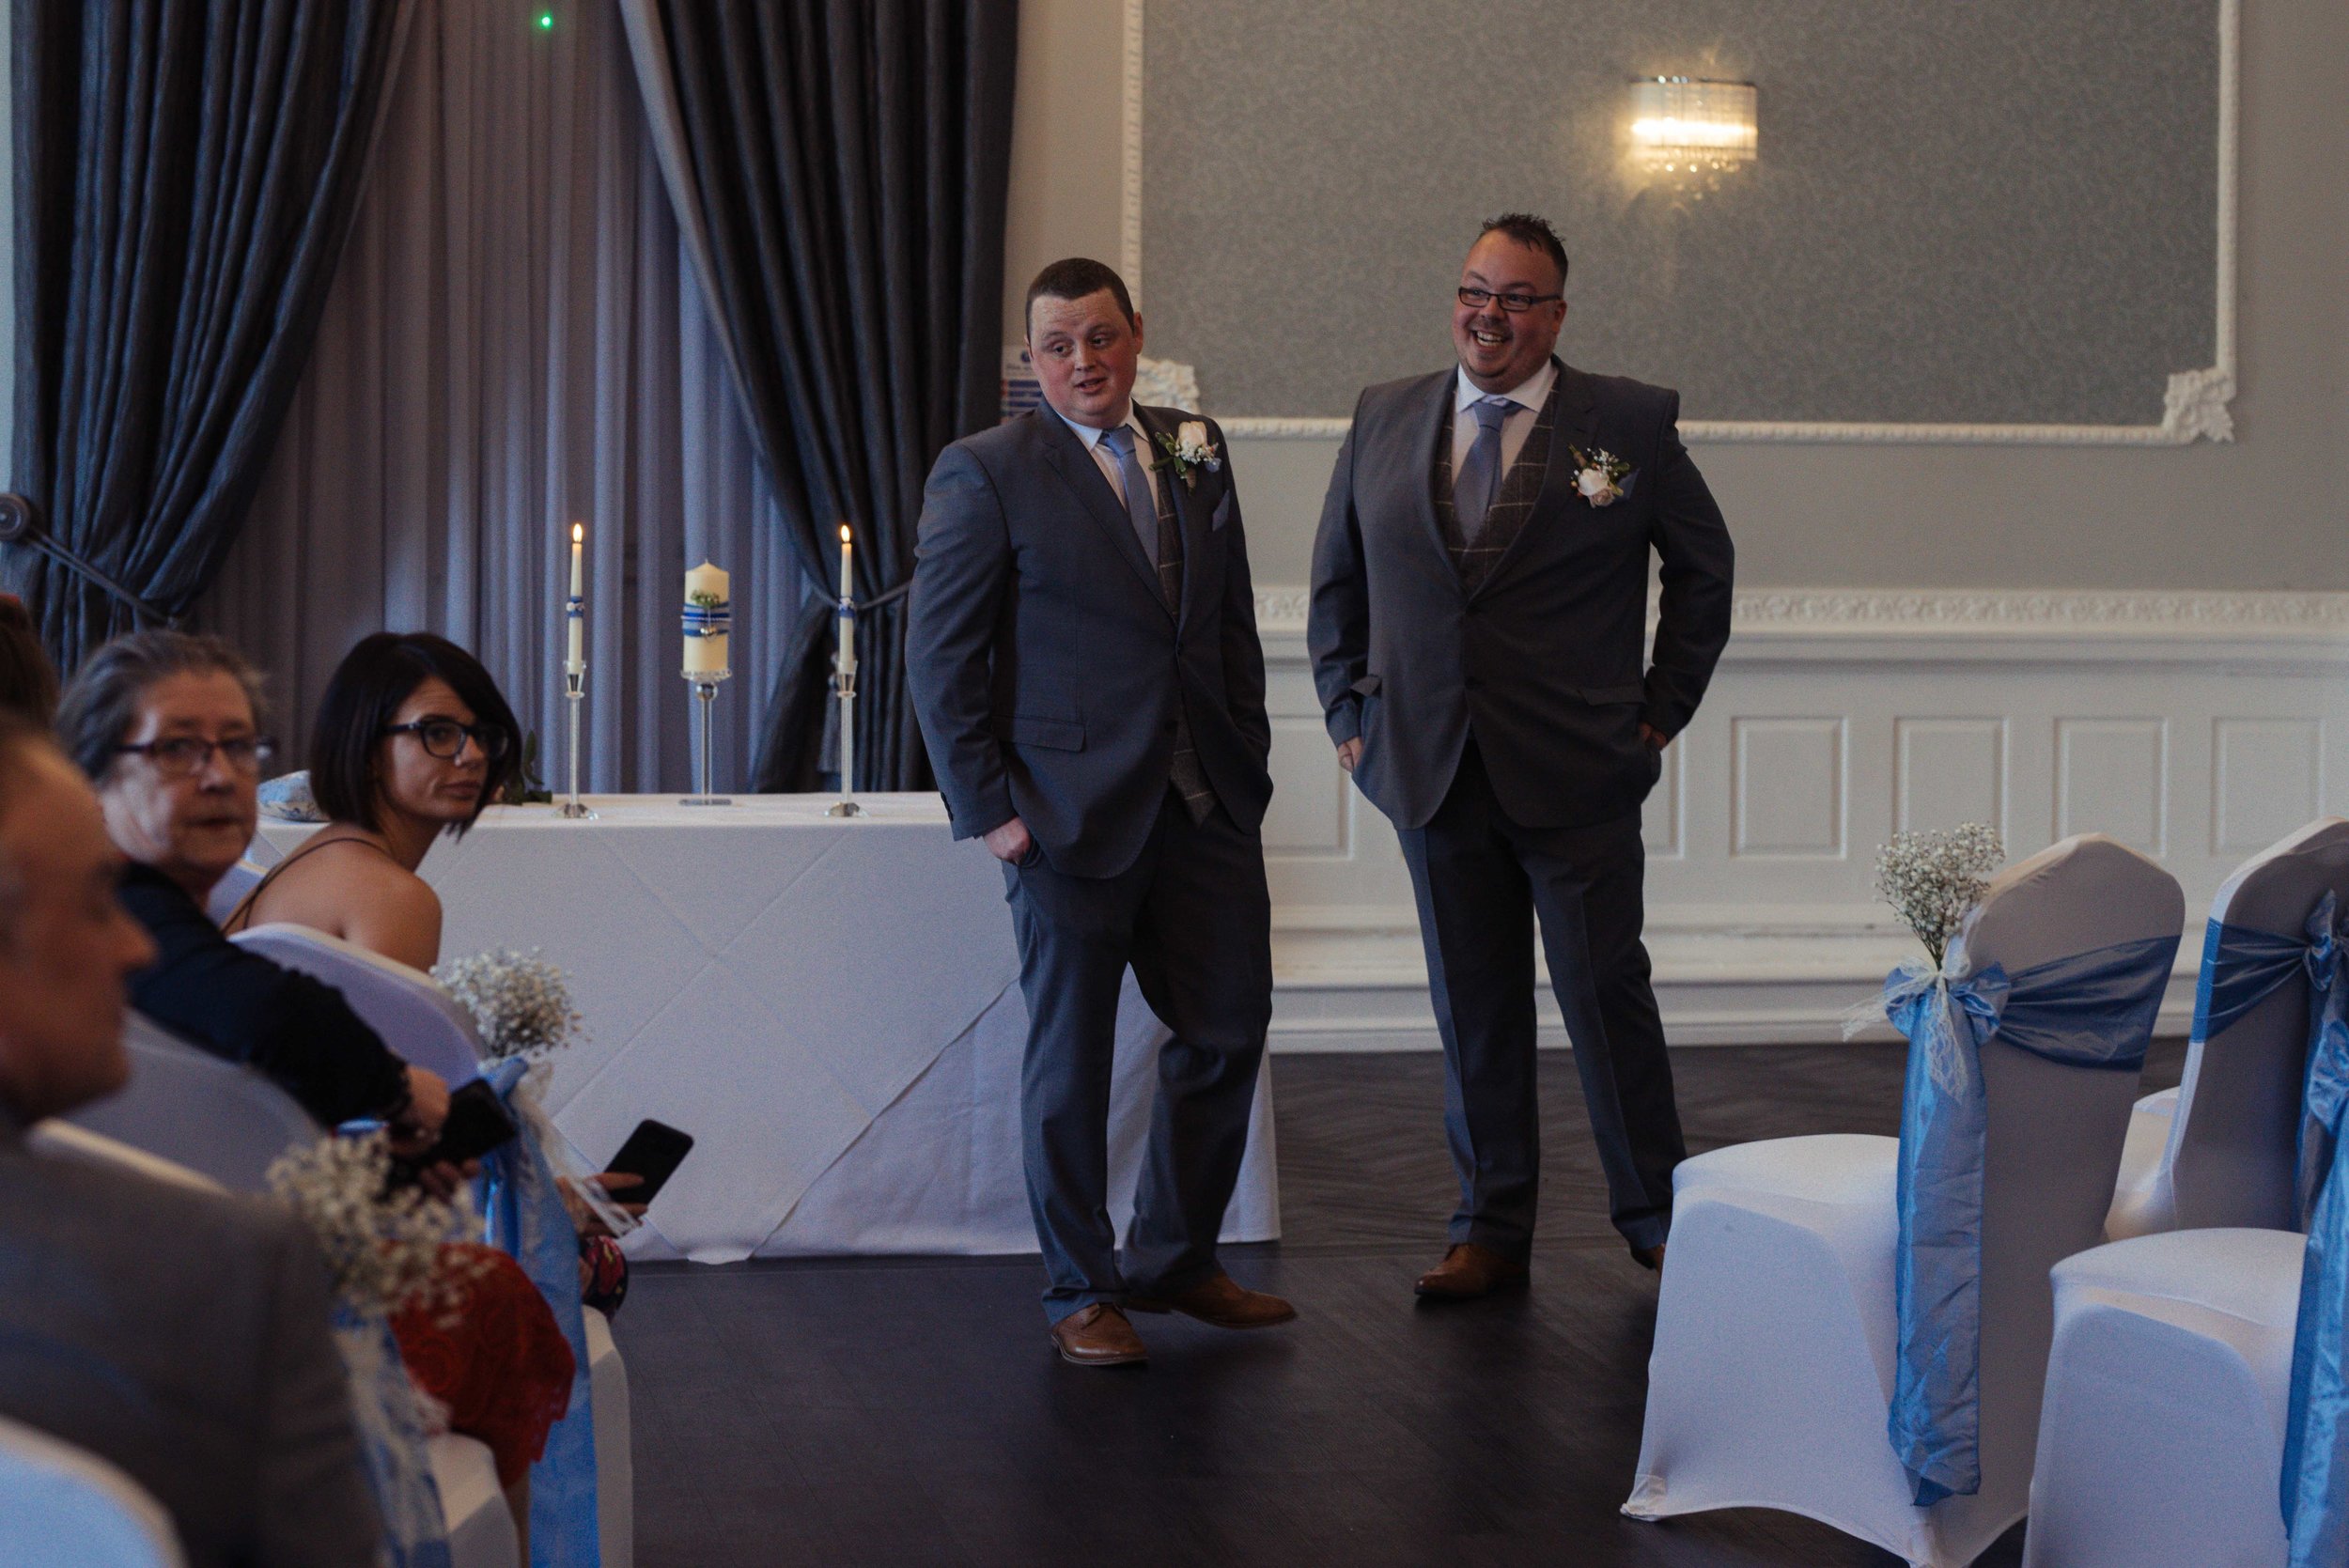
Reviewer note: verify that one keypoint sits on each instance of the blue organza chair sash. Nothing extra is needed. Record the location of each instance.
(391, 1442)
(524, 1215)
(2315, 1480)
(2242, 966)
(2093, 1009)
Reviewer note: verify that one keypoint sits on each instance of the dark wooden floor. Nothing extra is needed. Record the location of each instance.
(910, 1411)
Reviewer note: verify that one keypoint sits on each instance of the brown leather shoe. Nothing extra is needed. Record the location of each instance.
(1650, 1258)
(1098, 1336)
(1221, 1301)
(1468, 1271)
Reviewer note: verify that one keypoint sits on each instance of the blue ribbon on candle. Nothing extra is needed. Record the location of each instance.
(706, 620)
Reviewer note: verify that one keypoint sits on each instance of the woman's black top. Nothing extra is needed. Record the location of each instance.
(296, 1030)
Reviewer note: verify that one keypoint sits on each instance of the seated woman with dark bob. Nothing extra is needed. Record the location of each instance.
(412, 740)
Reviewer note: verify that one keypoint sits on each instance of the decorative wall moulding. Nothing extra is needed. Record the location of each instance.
(2195, 402)
(1281, 611)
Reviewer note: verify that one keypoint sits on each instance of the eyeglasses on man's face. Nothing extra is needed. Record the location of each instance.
(184, 757)
(446, 737)
(1516, 304)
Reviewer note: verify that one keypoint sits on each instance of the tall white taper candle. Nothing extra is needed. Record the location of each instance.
(575, 612)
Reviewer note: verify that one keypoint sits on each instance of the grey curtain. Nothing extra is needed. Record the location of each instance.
(841, 169)
(186, 176)
(514, 343)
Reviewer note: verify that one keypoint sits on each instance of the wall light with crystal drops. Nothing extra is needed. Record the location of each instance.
(1689, 125)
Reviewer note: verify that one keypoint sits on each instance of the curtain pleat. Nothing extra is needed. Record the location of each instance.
(844, 168)
(186, 180)
(517, 342)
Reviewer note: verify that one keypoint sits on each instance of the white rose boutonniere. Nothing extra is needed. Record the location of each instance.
(1599, 475)
(1188, 451)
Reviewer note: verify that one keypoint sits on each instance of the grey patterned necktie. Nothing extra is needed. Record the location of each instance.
(1139, 505)
(1479, 479)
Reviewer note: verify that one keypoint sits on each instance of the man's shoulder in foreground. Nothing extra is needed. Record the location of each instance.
(1000, 443)
(1620, 390)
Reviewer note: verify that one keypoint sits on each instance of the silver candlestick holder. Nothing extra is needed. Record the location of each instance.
(574, 694)
(705, 684)
(844, 682)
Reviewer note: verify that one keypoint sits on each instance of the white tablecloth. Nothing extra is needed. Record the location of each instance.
(831, 1007)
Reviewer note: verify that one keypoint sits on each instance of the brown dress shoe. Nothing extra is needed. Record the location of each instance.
(1650, 1258)
(1098, 1336)
(1221, 1301)
(1468, 1271)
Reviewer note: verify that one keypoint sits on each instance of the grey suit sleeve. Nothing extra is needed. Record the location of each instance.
(1337, 627)
(962, 569)
(1699, 564)
(314, 1506)
(1243, 650)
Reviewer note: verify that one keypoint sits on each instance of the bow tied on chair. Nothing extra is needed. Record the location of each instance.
(2087, 1009)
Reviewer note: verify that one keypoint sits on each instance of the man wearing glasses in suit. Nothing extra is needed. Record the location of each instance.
(1479, 596)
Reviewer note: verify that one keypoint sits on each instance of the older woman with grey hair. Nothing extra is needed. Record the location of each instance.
(168, 727)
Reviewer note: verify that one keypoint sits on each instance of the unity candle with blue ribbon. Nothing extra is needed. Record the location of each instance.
(2093, 1009)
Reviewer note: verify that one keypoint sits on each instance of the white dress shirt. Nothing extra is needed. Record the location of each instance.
(1106, 460)
(1528, 395)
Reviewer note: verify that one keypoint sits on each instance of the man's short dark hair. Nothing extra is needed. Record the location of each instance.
(21, 742)
(102, 702)
(1073, 279)
(376, 677)
(1534, 233)
(28, 682)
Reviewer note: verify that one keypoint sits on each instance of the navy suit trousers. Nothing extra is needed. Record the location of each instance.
(1192, 918)
(1479, 879)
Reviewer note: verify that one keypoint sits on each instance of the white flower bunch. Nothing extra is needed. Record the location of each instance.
(520, 1003)
(384, 1245)
(1931, 878)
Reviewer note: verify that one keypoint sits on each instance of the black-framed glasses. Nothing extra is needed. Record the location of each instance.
(184, 756)
(1516, 304)
(446, 737)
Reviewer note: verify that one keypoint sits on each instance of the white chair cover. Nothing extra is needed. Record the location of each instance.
(189, 1107)
(615, 1465)
(2161, 1442)
(2219, 1150)
(230, 890)
(421, 1022)
(64, 1507)
(481, 1531)
(1771, 1379)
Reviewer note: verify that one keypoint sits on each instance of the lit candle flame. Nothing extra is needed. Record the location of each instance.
(579, 532)
(844, 532)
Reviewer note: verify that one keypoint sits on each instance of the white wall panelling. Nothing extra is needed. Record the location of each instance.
(2198, 727)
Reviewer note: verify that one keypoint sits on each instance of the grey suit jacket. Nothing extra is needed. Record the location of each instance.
(183, 1336)
(1542, 660)
(1043, 664)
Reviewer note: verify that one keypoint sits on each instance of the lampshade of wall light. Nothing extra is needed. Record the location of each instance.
(1684, 124)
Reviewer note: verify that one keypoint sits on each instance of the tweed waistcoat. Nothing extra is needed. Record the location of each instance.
(1511, 510)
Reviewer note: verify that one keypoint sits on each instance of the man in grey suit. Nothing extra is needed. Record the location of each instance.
(1480, 589)
(181, 1335)
(1081, 651)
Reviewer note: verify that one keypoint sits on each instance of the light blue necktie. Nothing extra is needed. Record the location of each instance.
(1139, 505)
(1478, 483)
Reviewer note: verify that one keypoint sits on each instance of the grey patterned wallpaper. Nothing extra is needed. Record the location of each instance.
(1978, 211)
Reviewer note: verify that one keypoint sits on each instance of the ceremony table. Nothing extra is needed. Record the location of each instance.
(830, 1006)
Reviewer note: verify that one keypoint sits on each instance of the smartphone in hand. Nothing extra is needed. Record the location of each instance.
(653, 1152)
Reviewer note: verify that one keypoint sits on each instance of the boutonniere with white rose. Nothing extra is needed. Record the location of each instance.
(1599, 475)
(1188, 451)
